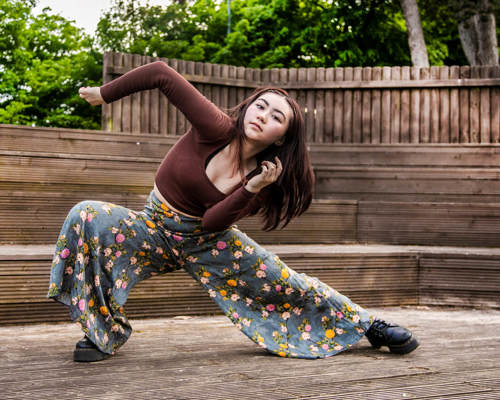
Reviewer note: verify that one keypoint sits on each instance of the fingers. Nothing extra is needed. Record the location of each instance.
(270, 171)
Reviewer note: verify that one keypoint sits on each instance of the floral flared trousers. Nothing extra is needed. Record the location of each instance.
(103, 250)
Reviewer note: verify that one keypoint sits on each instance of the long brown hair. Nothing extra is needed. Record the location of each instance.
(291, 194)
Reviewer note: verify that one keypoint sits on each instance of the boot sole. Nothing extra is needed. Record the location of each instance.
(89, 355)
(406, 347)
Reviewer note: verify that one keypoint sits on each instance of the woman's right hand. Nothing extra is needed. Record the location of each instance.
(91, 94)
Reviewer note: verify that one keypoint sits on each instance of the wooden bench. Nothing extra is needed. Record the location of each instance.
(44, 172)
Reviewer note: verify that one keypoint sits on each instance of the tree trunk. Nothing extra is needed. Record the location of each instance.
(416, 40)
(478, 36)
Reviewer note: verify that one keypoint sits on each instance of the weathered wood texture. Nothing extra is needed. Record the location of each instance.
(397, 194)
(208, 358)
(370, 275)
(340, 105)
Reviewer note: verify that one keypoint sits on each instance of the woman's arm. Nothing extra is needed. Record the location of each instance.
(226, 212)
(207, 118)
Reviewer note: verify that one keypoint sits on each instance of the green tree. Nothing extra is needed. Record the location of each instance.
(43, 61)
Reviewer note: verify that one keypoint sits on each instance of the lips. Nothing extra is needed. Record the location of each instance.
(256, 125)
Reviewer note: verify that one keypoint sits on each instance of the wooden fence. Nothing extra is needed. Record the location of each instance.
(341, 105)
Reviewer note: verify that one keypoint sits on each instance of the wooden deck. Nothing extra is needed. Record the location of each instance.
(208, 358)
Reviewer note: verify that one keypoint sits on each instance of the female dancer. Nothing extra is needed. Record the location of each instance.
(222, 169)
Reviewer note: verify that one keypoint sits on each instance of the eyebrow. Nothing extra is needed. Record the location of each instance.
(274, 109)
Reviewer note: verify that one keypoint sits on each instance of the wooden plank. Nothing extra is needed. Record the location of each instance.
(465, 136)
(435, 107)
(342, 114)
(495, 108)
(106, 115)
(415, 108)
(311, 107)
(386, 108)
(224, 91)
(127, 101)
(117, 106)
(170, 109)
(366, 108)
(330, 113)
(485, 115)
(144, 116)
(425, 109)
(405, 108)
(376, 108)
(454, 108)
(135, 100)
(395, 108)
(474, 110)
(444, 108)
(319, 110)
(302, 100)
(357, 108)
(347, 125)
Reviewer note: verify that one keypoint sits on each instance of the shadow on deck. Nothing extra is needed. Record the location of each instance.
(208, 358)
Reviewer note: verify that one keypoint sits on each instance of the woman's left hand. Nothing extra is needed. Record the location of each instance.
(269, 174)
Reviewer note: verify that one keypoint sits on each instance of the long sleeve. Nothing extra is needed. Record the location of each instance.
(210, 122)
(224, 213)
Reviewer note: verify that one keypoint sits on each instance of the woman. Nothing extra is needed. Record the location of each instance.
(222, 169)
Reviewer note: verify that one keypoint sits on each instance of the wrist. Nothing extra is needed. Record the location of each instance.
(251, 188)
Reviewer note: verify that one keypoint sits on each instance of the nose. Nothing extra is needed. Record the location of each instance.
(262, 117)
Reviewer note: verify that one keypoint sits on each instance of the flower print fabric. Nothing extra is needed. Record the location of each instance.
(103, 250)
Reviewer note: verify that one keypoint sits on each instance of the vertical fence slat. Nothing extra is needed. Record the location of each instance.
(155, 110)
(311, 106)
(386, 108)
(330, 114)
(474, 103)
(106, 113)
(434, 107)
(454, 108)
(425, 109)
(171, 126)
(240, 92)
(319, 111)
(127, 101)
(405, 108)
(224, 92)
(135, 100)
(216, 96)
(357, 107)
(376, 107)
(181, 120)
(117, 105)
(144, 116)
(495, 106)
(464, 107)
(485, 108)
(415, 107)
(395, 107)
(232, 95)
(444, 108)
(366, 110)
(343, 108)
(301, 96)
(293, 78)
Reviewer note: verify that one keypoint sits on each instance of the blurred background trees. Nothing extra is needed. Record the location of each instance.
(45, 58)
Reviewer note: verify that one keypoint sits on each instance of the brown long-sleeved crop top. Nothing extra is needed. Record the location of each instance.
(181, 177)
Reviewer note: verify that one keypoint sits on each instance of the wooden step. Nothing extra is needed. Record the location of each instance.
(372, 275)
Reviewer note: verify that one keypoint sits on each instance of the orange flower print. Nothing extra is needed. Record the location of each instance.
(206, 274)
(232, 282)
(329, 333)
(150, 224)
(104, 310)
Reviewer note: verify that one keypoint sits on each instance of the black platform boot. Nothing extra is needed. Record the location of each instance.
(86, 351)
(399, 340)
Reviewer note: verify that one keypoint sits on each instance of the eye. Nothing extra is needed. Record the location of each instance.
(259, 106)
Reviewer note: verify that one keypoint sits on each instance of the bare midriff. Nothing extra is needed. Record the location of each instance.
(162, 199)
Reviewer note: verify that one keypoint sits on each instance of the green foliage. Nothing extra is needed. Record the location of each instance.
(44, 59)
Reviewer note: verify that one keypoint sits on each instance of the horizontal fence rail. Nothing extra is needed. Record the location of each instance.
(340, 105)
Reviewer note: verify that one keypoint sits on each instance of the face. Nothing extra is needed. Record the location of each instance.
(266, 119)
